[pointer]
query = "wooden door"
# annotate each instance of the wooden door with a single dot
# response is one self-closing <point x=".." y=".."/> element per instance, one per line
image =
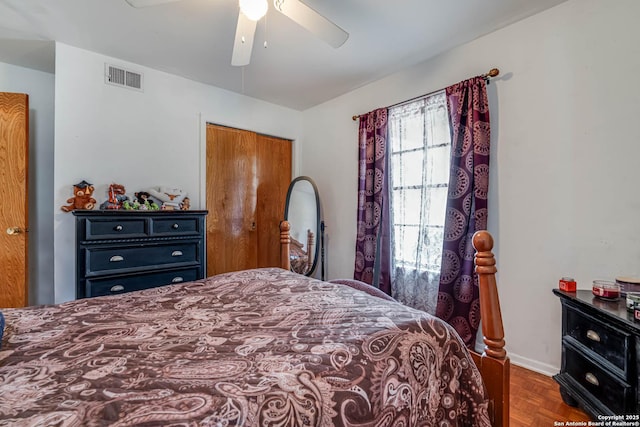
<point x="14" y="148"/>
<point x="231" y="200"/>
<point x="274" y="176"/>
<point x="247" y="179"/>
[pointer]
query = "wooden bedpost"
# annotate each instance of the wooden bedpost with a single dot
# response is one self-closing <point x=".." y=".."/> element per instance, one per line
<point x="493" y="363"/>
<point x="285" y="241"/>
<point x="310" y="239"/>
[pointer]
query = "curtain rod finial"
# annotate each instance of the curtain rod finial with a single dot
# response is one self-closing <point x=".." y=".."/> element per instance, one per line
<point x="354" y="118"/>
<point x="493" y="72"/>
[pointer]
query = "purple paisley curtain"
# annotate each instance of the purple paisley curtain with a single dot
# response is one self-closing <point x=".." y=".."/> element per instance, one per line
<point x="372" y="264"/>
<point x="458" y="297"/>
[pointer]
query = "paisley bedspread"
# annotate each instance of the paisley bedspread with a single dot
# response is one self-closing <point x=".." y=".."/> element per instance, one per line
<point x="263" y="347"/>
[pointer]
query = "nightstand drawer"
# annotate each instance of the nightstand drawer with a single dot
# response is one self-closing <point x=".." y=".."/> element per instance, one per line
<point x="118" y="285"/>
<point x="606" y="388"/>
<point x="119" y="229"/>
<point x="174" y="226"/>
<point x="112" y="260"/>
<point x="610" y="343"/>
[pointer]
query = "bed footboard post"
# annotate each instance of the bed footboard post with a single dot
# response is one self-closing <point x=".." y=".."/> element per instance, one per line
<point x="494" y="364"/>
<point x="492" y="328"/>
<point x="285" y="241"/>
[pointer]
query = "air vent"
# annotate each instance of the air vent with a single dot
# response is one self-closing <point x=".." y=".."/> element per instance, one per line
<point x="122" y="77"/>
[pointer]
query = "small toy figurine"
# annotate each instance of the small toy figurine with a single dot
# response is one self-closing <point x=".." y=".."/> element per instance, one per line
<point x="186" y="204"/>
<point x="81" y="199"/>
<point x="117" y="197"/>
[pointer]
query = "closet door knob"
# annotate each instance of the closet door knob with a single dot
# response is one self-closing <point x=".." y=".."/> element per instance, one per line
<point x="12" y="231"/>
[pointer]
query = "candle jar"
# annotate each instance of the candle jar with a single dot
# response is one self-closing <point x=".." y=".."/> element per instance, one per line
<point x="567" y="284"/>
<point x="606" y="289"/>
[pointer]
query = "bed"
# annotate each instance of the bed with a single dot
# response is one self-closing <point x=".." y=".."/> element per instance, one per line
<point x="263" y="347"/>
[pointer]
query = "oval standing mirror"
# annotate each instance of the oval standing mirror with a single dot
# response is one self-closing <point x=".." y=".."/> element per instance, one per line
<point x="302" y="211"/>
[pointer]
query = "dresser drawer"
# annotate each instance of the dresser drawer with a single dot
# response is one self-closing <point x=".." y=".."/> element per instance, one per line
<point x="617" y="395"/>
<point x="608" y="342"/>
<point x="122" y="228"/>
<point x="174" y="226"/>
<point x="118" y="285"/>
<point x="101" y="261"/>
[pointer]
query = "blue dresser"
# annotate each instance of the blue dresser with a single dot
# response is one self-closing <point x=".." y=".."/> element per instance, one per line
<point x="123" y="251"/>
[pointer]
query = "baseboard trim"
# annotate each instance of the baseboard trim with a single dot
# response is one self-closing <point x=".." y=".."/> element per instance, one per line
<point x="533" y="365"/>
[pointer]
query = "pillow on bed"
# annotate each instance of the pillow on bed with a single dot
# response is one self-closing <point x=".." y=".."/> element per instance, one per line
<point x="1" y="327"/>
<point x="362" y="286"/>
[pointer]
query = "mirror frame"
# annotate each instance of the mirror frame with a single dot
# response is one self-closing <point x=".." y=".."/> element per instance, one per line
<point x="317" y="231"/>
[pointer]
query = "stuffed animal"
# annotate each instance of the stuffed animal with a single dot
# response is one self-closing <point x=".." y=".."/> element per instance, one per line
<point x="171" y="198"/>
<point x="81" y="199"/>
<point x="143" y="197"/>
<point x="144" y="202"/>
<point x="117" y="197"/>
<point x="186" y="204"/>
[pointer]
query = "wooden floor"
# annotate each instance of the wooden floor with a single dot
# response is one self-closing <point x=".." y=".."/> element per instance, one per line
<point x="536" y="401"/>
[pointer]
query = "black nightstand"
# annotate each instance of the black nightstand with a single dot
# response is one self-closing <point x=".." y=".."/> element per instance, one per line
<point x="123" y="251"/>
<point x="600" y="347"/>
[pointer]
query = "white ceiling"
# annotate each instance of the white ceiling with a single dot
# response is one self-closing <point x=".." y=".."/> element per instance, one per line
<point x="194" y="39"/>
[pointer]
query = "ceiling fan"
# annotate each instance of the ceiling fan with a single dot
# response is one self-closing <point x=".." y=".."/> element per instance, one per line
<point x="251" y="11"/>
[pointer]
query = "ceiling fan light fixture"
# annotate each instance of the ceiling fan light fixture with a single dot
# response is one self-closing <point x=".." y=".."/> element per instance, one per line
<point x="254" y="9"/>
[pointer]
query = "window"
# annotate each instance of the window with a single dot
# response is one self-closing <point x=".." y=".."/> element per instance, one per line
<point x="420" y="143"/>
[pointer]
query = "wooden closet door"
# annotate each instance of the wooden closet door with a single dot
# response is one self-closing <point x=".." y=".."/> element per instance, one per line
<point x="14" y="149"/>
<point x="274" y="176"/>
<point x="231" y="200"/>
<point x="248" y="175"/>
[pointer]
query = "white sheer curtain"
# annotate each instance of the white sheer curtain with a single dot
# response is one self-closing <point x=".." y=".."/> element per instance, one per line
<point x="420" y="145"/>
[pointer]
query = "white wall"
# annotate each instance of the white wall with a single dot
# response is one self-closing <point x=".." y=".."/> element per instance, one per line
<point x="40" y="88"/>
<point x="108" y="134"/>
<point x="565" y="146"/>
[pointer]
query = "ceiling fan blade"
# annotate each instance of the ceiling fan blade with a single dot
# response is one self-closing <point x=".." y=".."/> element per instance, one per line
<point x="312" y="21"/>
<point x="243" y="42"/>
<point x="146" y="3"/>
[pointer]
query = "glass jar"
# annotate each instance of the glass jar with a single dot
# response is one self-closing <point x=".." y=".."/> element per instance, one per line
<point x="606" y="289"/>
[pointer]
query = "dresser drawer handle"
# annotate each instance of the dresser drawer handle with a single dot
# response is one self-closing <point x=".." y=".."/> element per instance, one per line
<point x="592" y="379"/>
<point x="118" y="228"/>
<point x="116" y="258"/>
<point x="593" y="335"/>
<point x="117" y="288"/>
<point x="176" y="253"/>
<point x="177" y="279"/>
<point x="175" y="226"/>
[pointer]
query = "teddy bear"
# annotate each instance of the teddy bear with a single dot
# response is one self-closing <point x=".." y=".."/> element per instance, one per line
<point x="186" y="204"/>
<point x="81" y="199"/>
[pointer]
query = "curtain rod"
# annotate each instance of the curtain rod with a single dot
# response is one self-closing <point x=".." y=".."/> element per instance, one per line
<point x="492" y="73"/>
